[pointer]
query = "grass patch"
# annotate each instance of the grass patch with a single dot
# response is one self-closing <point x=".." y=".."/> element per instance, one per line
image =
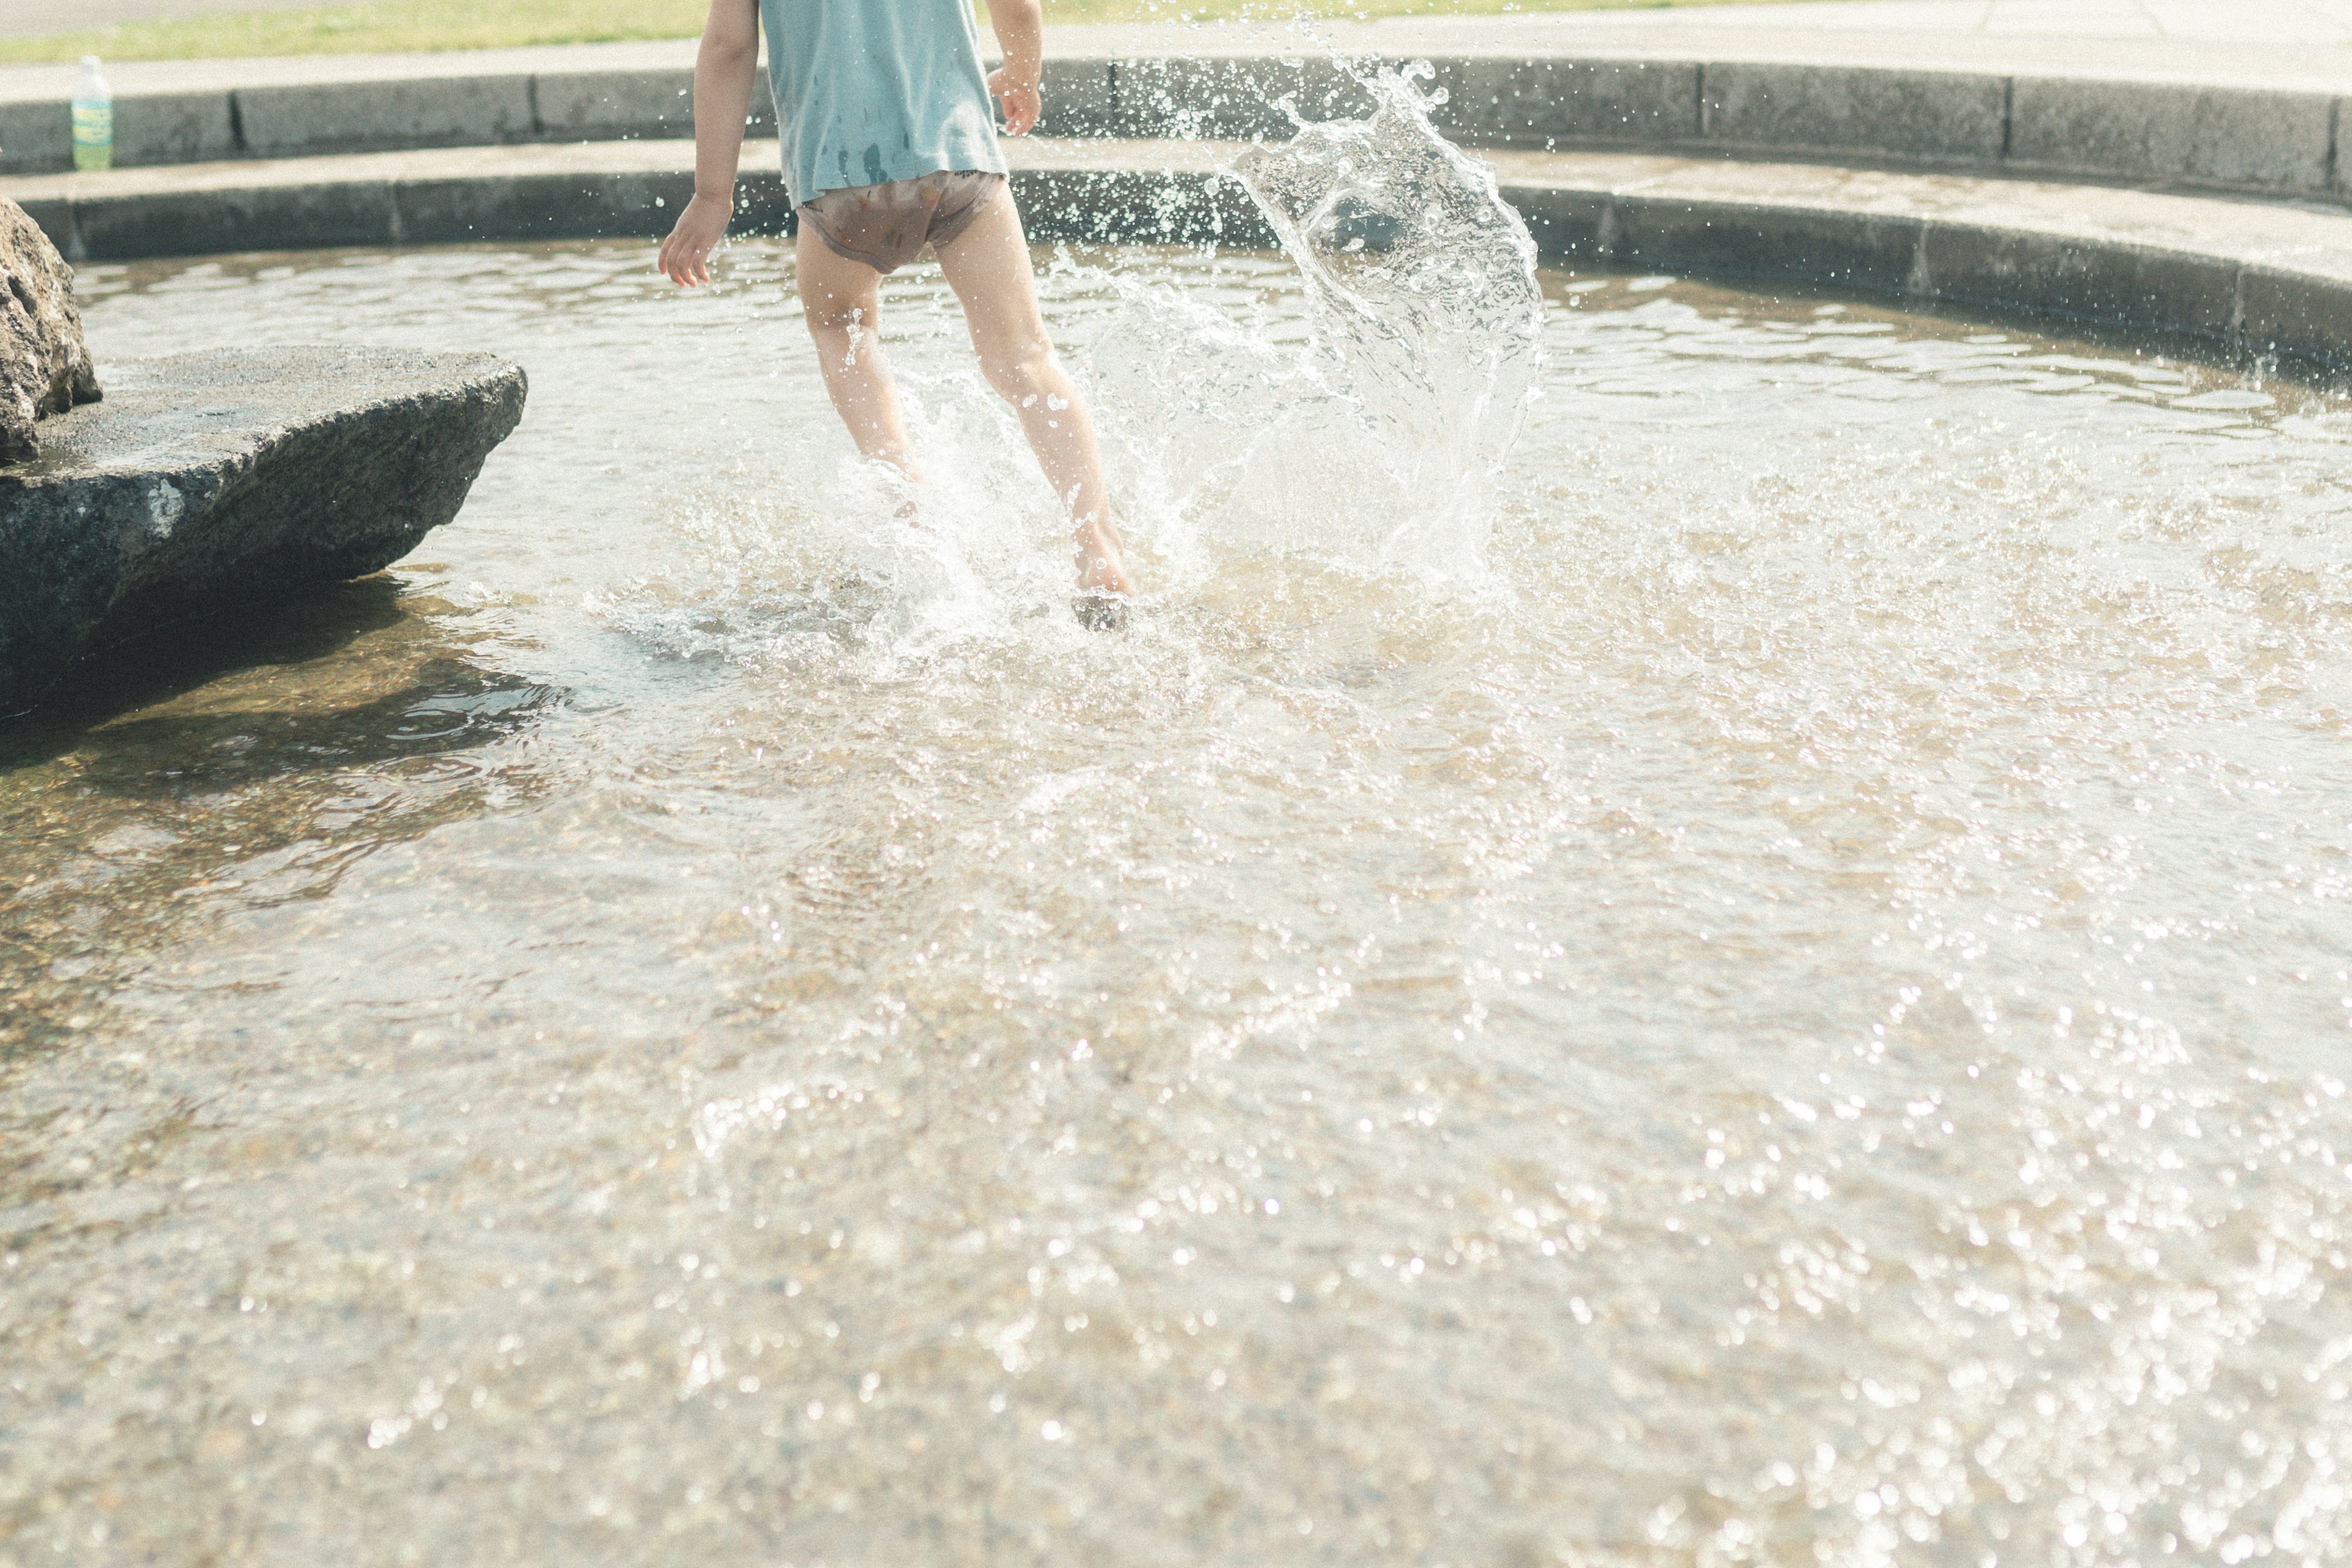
<point x="405" y="27"/>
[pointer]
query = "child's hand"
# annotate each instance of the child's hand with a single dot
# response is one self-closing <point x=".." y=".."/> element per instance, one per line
<point x="1022" y="104"/>
<point x="685" y="256"/>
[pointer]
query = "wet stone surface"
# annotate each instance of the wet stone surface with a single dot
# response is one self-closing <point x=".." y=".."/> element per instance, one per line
<point x="208" y="484"/>
<point x="45" y="366"/>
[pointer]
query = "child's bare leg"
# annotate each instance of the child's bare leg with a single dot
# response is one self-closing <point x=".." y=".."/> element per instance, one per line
<point x="988" y="267"/>
<point x="841" y="301"/>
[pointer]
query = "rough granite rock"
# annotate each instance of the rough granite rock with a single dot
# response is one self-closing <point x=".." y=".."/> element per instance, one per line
<point x="45" y="366"/>
<point x="207" y="483"/>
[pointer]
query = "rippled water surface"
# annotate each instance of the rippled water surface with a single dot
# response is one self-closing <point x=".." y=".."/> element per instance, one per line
<point x="1780" y="996"/>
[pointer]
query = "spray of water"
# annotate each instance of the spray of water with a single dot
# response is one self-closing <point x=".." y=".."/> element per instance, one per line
<point x="1362" y="435"/>
<point x="1424" y="278"/>
<point x="1383" y="431"/>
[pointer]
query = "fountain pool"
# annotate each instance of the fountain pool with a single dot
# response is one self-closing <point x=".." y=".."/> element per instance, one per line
<point x="1769" y="987"/>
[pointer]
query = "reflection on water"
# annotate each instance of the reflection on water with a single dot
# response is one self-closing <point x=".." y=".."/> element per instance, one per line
<point x="249" y="761"/>
<point x="1795" y="1013"/>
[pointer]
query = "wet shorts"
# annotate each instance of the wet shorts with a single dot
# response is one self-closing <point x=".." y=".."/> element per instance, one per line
<point x="886" y="227"/>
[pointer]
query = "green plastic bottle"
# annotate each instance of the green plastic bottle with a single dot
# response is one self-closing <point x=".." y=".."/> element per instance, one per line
<point x="93" y="119"/>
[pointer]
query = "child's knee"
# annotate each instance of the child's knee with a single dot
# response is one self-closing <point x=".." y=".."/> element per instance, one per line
<point x="1025" y="373"/>
<point x="832" y="318"/>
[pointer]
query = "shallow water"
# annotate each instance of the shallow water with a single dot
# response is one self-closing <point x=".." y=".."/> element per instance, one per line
<point x="1781" y="998"/>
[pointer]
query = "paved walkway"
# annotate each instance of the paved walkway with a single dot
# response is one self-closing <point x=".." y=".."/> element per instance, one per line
<point x="2215" y="21"/>
<point x="2304" y="43"/>
<point x="2212" y="21"/>
<point x="2274" y="42"/>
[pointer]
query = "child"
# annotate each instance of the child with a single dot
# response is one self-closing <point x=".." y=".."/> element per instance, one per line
<point x="890" y="143"/>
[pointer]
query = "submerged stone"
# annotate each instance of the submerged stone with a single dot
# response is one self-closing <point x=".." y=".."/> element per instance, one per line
<point x="45" y="366"/>
<point x="205" y="484"/>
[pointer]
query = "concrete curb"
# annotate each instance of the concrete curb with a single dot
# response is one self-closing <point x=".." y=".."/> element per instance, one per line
<point x="2255" y="139"/>
<point x="2259" y="278"/>
<point x="282" y="119"/>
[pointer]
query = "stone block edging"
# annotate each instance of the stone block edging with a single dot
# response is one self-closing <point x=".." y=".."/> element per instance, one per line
<point x="2272" y="141"/>
<point x="2258" y="278"/>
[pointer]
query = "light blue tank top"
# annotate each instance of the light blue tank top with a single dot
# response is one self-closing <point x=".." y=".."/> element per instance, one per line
<point x="868" y="92"/>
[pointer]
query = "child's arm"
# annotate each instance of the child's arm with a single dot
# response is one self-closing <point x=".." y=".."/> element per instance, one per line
<point x="1021" y="34"/>
<point x="723" y="69"/>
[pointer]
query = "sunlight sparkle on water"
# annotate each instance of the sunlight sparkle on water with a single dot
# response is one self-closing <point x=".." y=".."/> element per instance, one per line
<point x="1788" y="1005"/>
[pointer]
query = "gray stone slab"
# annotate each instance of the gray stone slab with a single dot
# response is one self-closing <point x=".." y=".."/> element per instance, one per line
<point x="35" y="136"/>
<point x="2055" y="275"/>
<point x="1081" y="98"/>
<point x="1233" y="99"/>
<point x="445" y="112"/>
<point x="762" y="206"/>
<point x="2027" y="45"/>
<point x="1108" y="206"/>
<point x="210" y="222"/>
<point x="2162" y="131"/>
<point x="620" y="106"/>
<point x="56" y="216"/>
<point x="205" y="484"/>
<point x="1941" y="117"/>
<point x="2121" y="255"/>
<point x="174" y="128"/>
<point x="538" y="207"/>
<point x="2135" y="129"/>
<point x="592" y="204"/>
<point x="1873" y="252"/>
<point x="2296" y="314"/>
<point x="613" y="106"/>
<point x="1546" y="102"/>
<point x="1568" y="226"/>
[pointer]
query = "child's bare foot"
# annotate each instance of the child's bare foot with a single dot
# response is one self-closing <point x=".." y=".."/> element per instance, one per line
<point x="901" y="489"/>
<point x="1103" y="589"/>
<point x="1100" y="555"/>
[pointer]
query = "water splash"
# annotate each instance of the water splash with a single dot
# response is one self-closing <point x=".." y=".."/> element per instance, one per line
<point x="1424" y="278"/>
<point x="1425" y="348"/>
<point x="1241" y="439"/>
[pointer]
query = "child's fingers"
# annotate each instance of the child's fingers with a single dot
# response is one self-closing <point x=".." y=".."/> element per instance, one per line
<point x="683" y="264"/>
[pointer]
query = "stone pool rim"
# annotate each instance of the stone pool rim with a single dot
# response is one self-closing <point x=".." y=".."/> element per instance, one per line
<point x="2268" y="136"/>
<point x="2266" y="280"/>
<point x="2203" y="203"/>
